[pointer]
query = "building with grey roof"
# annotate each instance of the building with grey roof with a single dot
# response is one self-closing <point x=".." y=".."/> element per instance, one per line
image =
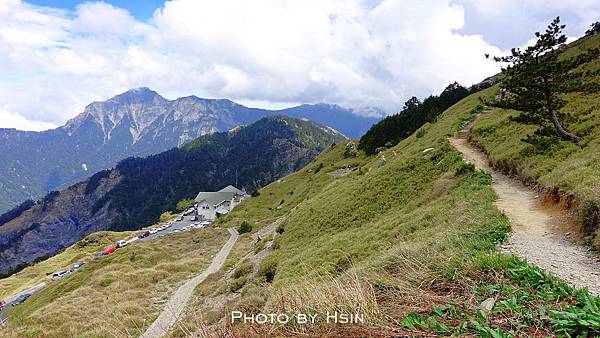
<point x="212" y="204"/>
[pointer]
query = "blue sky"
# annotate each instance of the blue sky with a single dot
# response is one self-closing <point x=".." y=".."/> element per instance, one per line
<point x="57" y="56"/>
<point x="140" y="9"/>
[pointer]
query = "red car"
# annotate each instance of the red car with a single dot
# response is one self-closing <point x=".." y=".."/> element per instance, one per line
<point x="109" y="251"/>
<point x="1" y="305"/>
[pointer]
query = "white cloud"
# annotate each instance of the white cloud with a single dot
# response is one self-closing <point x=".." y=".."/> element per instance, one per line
<point x="11" y="120"/>
<point x="351" y="52"/>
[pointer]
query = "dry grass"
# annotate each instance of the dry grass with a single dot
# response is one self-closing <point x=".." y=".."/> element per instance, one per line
<point x="117" y="295"/>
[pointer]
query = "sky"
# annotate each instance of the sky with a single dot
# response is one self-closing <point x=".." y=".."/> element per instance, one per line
<point x="58" y="56"/>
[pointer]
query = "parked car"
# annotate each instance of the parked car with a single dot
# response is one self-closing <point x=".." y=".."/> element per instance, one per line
<point x="121" y="244"/>
<point x="180" y="218"/>
<point x="21" y="299"/>
<point x="76" y="266"/>
<point x="108" y="251"/>
<point x="205" y="224"/>
<point x="144" y="234"/>
<point x="99" y="254"/>
<point x="153" y="231"/>
<point x="194" y="218"/>
<point x="2" y="305"/>
<point x="59" y="275"/>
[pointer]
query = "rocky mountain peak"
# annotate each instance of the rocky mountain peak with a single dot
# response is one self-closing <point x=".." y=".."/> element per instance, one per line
<point x="137" y="96"/>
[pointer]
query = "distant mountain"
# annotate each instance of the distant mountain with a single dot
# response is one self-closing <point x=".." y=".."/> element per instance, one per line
<point x="138" y="190"/>
<point x="138" y="122"/>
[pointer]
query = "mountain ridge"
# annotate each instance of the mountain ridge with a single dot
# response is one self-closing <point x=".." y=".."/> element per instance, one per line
<point x="138" y="190"/>
<point x="138" y="122"/>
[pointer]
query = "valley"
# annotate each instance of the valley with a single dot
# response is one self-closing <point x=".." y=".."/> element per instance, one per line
<point x="139" y="122"/>
<point x="135" y="193"/>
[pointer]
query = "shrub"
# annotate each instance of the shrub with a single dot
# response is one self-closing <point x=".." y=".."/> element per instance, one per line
<point x="267" y="269"/>
<point x="280" y="228"/>
<point x="244" y="227"/>
<point x="243" y="269"/>
<point x="276" y="243"/>
<point x="237" y="283"/>
<point x="184" y="204"/>
<point x="589" y="218"/>
<point x="465" y="168"/>
<point x="319" y="167"/>
<point x="165" y="216"/>
<point x="256" y="193"/>
<point x="108" y="280"/>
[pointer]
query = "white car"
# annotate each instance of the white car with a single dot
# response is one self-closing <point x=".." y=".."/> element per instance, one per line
<point x="153" y="231"/>
<point x="58" y="275"/>
<point x="121" y="244"/>
<point x="205" y="224"/>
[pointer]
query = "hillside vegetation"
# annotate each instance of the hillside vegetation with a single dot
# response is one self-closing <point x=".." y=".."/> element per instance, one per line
<point x="567" y="172"/>
<point x="409" y="243"/>
<point x="139" y="190"/>
<point x="413" y="115"/>
<point x="117" y="295"/>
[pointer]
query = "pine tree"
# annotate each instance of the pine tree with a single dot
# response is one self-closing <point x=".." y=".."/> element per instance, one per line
<point x="536" y="78"/>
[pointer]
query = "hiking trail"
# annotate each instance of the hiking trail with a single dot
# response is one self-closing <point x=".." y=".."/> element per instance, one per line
<point x="176" y="304"/>
<point x="538" y="231"/>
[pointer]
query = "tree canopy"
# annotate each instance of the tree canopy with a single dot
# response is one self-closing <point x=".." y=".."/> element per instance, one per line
<point x="413" y="115"/>
<point x="536" y="78"/>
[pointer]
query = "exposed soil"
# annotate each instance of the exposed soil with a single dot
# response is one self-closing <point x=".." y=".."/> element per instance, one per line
<point x="539" y="232"/>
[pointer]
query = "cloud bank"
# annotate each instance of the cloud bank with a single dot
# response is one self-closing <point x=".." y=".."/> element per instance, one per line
<point x="354" y="53"/>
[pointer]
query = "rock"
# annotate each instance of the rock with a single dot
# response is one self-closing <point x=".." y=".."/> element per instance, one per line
<point x="487" y="305"/>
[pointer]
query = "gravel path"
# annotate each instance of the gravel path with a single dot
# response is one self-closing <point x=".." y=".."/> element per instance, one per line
<point x="536" y="229"/>
<point x="176" y="304"/>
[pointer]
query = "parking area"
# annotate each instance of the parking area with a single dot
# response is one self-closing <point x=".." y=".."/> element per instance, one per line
<point x="182" y="223"/>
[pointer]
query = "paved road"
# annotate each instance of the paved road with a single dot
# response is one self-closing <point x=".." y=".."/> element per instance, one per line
<point x="176" y="304"/>
<point x="176" y="225"/>
<point x="10" y="301"/>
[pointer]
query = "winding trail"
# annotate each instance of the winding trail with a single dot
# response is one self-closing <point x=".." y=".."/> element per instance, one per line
<point x="176" y="304"/>
<point x="538" y="233"/>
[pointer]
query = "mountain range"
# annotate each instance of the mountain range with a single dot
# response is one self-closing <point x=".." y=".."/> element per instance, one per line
<point x="139" y="122"/>
<point x="138" y="190"/>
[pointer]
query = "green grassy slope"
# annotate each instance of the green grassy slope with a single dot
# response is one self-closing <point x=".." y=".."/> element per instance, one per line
<point x="564" y="168"/>
<point x="410" y="243"/>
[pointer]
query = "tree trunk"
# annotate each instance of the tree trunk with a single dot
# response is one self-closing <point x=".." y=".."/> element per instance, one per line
<point x="561" y="131"/>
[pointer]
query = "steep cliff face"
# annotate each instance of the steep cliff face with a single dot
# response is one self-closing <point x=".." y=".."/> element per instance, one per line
<point x="138" y="122"/>
<point x="138" y="190"/>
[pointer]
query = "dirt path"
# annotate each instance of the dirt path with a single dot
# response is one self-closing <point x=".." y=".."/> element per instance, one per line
<point x="176" y="304"/>
<point x="537" y="231"/>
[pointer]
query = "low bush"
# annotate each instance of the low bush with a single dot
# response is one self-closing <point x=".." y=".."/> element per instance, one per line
<point x="267" y="269"/>
<point x="237" y="283"/>
<point x="589" y="217"/>
<point x="243" y="269"/>
<point x="465" y="168"/>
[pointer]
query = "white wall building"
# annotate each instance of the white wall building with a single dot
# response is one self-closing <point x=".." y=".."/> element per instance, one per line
<point x="211" y="205"/>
